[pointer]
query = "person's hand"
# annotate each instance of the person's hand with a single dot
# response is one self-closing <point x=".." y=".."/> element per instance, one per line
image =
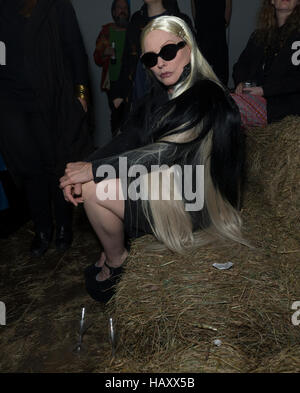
<point x="83" y="103"/>
<point x="73" y="194"/>
<point x="117" y="102"/>
<point x="239" y="88"/>
<point x="255" y="91"/>
<point x="76" y="173"/>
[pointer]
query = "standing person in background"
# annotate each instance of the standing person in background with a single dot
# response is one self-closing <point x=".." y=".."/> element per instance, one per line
<point x="43" y="108"/>
<point x="133" y="83"/>
<point x="108" y="54"/>
<point x="211" y="20"/>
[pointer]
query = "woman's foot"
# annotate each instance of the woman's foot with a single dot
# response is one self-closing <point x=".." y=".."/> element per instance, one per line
<point x="108" y="266"/>
<point x="101" y="286"/>
<point x="96" y="267"/>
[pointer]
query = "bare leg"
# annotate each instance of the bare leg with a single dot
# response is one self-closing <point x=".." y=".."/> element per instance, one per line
<point x="106" y="217"/>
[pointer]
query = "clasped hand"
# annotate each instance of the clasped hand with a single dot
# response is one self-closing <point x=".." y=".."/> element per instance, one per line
<point x="255" y="91"/>
<point x="76" y="174"/>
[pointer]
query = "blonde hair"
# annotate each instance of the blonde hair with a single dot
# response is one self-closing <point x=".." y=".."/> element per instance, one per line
<point x="169" y="220"/>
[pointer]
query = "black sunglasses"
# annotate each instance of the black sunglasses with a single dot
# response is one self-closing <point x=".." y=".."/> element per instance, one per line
<point x="167" y="52"/>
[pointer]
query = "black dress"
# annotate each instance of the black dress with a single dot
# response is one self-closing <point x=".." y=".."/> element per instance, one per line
<point x="215" y="110"/>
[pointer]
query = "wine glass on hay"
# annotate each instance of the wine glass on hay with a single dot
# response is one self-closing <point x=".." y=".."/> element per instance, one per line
<point x="82" y="329"/>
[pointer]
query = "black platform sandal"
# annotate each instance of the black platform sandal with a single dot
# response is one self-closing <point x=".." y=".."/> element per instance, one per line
<point x="102" y="291"/>
<point x="92" y="270"/>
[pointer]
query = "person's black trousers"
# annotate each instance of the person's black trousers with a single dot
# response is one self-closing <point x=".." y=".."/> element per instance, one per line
<point x="117" y="114"/>
<point x="29" y="151"/>
<point x="215" y="50"/>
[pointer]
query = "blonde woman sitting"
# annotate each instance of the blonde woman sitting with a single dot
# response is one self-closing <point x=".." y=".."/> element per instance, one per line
<point x="186" y="123"/>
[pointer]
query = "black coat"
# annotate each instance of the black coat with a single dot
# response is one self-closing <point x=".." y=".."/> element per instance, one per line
<point x="282" y="83"/>
<point x="55" y="61"/>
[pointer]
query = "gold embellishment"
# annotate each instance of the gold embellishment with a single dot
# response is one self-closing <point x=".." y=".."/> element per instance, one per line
<point x="181" y="34"/>
<point x="82" y="96"/>
<point x="81" y="91"/>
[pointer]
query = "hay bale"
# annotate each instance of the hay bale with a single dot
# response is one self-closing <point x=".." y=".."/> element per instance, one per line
<point x="163" y="302"/>
<point x="273" y="169"/>
<point x="169" y="309"/>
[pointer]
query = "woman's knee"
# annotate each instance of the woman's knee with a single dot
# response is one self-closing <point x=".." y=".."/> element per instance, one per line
<point x="107" y="194"/>
<point x="109" y="190"/>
